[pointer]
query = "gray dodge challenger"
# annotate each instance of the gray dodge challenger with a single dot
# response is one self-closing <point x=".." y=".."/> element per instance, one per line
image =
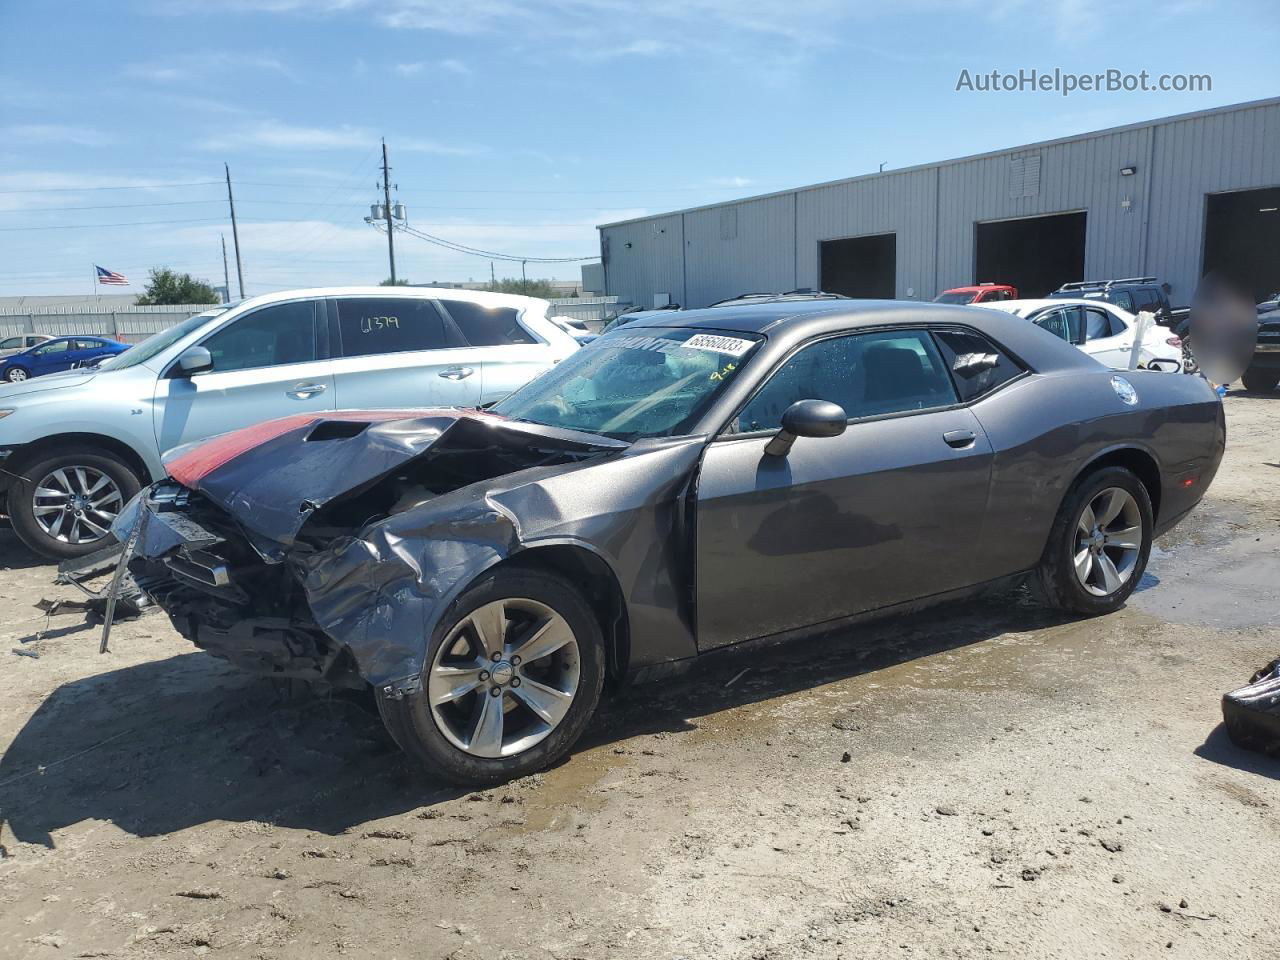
<point x="690" y="481"/>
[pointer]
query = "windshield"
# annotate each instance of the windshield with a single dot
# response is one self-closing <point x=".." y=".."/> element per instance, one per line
<point x="157" y="342"/>
<point x="955" y="296"/>
<point x="654" y="383"/>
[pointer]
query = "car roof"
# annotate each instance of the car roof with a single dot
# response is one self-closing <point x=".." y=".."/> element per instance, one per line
<point x="431" y="293"/>
<point x="978" y="287"/>
<point x="1026" y="306"/>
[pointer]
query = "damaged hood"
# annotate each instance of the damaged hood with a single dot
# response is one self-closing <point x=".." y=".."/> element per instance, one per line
<point x="274" y="476"/>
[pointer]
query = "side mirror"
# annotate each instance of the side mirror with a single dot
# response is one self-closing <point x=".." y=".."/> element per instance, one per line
<point x="194" y="360"/>
<point x="807" y="418"/>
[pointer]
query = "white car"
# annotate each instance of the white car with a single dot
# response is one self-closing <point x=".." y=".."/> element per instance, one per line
<point x="24" y="341"/>
<point x="1102" y="330"/>
<point x="76" y="446"/>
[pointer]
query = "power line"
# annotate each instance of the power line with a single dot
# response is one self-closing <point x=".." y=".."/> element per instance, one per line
<point x="128" y="186"/>
<point x="475" y="251"/>
<point x="91" y="226"/>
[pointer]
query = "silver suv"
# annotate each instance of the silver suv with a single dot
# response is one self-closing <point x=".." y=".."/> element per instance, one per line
<point x="76" y="446"/>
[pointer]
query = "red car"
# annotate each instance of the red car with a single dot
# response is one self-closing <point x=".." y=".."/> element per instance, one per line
<point x="982" y="293"/>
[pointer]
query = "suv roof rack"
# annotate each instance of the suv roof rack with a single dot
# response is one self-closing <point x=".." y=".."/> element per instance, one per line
<point x="1104" y="284"/>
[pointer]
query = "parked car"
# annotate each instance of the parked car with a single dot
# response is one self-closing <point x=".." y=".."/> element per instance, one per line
<point x="573" y="327"/>
<point x="688" y="482"/>
<point x="1133" y="295"/>
<point x="23" y="341"/>
<point x="57" y="354"/>
<point x="983" y="293"/>
<point x="75" y="447"/>
<point x="1102" y="330"/>
<point x="1263" y="372"/>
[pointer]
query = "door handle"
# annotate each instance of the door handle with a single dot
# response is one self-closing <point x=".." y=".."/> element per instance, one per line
<point x="304" y="391"/>
<point x="960" y="439"/>
<point x="457" y="373"/>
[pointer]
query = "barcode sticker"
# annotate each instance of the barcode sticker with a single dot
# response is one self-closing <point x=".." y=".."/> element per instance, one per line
<point x="733" y="346"/>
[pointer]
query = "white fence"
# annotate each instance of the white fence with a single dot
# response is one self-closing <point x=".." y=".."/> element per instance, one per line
<point x="586" y="308"/>
<point x="127" y="324"/>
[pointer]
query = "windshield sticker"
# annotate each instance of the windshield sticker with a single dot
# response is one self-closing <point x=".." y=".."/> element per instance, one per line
<point x="733" y="346"/>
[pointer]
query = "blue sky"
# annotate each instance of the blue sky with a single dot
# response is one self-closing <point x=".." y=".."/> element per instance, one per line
<point x="518" y="126"/>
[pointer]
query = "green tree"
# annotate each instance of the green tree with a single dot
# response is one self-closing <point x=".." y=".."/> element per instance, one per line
<point x="398" y="282"/>
<point x="168" y="286"/>
<point x="525" y="288"/>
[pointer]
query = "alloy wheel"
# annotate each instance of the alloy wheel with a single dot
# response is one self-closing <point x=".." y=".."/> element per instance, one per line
<point x="504" y="677"/>
<point x="16" y="375"/>
<point x="76" y="504"/>
<point x="1109" y="538"/>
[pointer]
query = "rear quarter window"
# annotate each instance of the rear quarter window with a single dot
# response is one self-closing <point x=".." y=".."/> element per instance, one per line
<point x="483" y="326"/>
<point x="374" y="325"/>
<point x="971" y="383"/>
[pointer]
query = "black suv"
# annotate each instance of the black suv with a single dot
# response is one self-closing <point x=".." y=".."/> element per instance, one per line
<point x="1264" y="369"/>
<point x="1134" y="294"/>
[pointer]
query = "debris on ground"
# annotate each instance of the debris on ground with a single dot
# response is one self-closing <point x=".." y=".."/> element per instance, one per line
<point x="1252" y="713"/>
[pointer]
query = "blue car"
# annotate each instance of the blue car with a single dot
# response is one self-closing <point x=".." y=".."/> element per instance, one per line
<point x="61" y="353"/>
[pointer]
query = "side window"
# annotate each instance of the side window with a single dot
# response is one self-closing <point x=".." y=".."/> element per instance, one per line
<point x="487" y="326"/>
<point x="275" y="335"/>
<point x="373" y="325"/>
<point x="1097" y="324"/>
<point x="1124" y="301"/>
<point x="54" y="346"/>
<point x="88" y="345"/>
<point x="10" y="343"/>
<point x="867" y="374"/>
<point x="960" y="348"/>
<point x="1055" y="321"/>
<point x="1147" y="298"/>
<point x="1116" y="324"/>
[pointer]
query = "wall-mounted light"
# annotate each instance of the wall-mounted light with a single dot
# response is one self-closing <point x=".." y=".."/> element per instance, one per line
<point x="627" y="244"/>
<point x="1128" y="171"/>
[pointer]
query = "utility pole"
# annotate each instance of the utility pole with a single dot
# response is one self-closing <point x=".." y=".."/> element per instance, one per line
<point x="235" y="236"/>
<point x="523" y="278"/>
<point x="493" y="280"/>
<point x="226" y="278"/>
<point x="386" y="196"/>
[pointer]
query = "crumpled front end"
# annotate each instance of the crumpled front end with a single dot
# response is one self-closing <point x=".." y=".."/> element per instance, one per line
<point x="326" y="551"/>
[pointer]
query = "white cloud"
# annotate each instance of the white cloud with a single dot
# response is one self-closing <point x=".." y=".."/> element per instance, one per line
<point x="200" y="65"/>
<point x="734" y="182"/>
<point x="409" y="69"/>
<point x="455" y="66"/>
<point x="30" y="133"/>
<point x="273" y="135"/>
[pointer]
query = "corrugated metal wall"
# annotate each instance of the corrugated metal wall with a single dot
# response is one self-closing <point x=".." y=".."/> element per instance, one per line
<point x="1148" y="223"/>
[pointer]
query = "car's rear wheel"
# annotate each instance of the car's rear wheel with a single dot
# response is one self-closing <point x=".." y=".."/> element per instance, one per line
<point x="1099" y="545"/>
<point x="1259" y="380"/>
<point x="512" y="676"/>
<point x="16" y="374"/>
<point x="64" y="502"/>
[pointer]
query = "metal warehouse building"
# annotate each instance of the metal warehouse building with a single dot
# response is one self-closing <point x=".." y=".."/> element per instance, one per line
<point x="1170" y="198"/>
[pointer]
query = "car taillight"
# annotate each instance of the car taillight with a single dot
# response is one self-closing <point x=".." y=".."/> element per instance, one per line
<point x="1174" y="341"/>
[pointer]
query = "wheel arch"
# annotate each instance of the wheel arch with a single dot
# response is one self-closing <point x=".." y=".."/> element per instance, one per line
<point x="587" y="570"/>
<point x="1138" y="461"/>
<point x="58" y="442"/>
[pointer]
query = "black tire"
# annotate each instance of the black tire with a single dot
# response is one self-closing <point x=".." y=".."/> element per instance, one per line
<point x="11" y="374"/>
<point x="1258" y="380"/>
<point x="21" y="497"/>
<point x="1057" y="579"/>
<point x="411" y="722"/>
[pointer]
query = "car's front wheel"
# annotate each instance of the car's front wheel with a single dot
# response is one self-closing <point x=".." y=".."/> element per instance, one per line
<point x="512" y="676"/>
<point x="1099" y="545"/>
<point x="16" y="374"/>
<point x="63" y="503"/>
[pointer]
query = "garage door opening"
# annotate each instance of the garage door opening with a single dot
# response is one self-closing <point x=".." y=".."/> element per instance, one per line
<point x="860" y="266"/>
<point x="1241" y="237"/>
<point x="1034" y="254"/>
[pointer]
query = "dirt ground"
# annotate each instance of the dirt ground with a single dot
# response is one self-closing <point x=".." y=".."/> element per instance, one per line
<point x="982" y="779"/>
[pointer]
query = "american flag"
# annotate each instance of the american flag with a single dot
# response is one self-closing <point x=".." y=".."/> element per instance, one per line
<point x="109" y="276"/>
